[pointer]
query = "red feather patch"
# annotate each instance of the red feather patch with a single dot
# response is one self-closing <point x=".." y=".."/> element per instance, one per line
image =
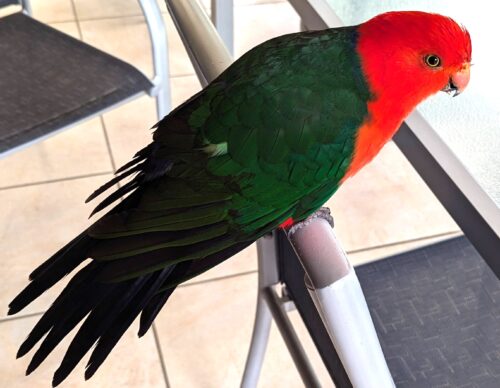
<point x="392" y="48"/>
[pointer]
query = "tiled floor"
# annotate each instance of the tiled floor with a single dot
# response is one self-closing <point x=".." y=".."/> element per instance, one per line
<point x="201" y="337"/>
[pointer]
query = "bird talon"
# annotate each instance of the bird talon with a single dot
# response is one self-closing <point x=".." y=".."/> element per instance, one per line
<point x="325" y="213"/>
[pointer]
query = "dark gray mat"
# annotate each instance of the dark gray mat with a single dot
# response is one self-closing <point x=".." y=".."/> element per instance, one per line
<point x="437" y="313"/>
<point x="49" y="80"/>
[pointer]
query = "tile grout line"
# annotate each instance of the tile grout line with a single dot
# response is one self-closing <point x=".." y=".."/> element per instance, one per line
<point x="160" y="355"/>
<point x="108" y="145"/>
<point x="77" y="21"/>
<point x="408" y="241"/>
<point x="56" y="180"/>
<point x="103" y="125"/>
<point x="183" y="75"/>
<point x="224" y="277"/>
<point x="17" y="317"/>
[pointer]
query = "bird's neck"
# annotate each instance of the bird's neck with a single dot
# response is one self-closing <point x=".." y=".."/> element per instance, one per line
<point x="381" y="124"/>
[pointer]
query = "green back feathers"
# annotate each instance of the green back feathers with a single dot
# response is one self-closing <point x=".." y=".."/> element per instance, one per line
<point x="269" y="139"/>
<point x="287" y="111"/>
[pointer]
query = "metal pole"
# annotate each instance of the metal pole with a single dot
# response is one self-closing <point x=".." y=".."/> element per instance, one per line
<point x="26" y="5"/>
<point x="158" y="36"/>
<point x="290" y="337"/>
<point x="223" y="19"/>
<point x="337" y="295"/>
<point x="268" y="276"/>
<point x="205" y="47"/>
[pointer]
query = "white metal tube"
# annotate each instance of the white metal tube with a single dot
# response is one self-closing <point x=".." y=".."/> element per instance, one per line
<point x="290" y="337"/>
<point x="223" y="19"/>
<point x="258" y="344"/>
<point x="206" y="49"/>
<point x="319" y="251"/>
<point x="26" y="4"/>
<point x="268" y="276"/>
<point x="158" y="36"/>
<point x="347" y="319"/>
<point x="338" y="297"/>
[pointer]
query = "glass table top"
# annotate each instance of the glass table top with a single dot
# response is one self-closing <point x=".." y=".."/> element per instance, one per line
<point x="470" y="123"/>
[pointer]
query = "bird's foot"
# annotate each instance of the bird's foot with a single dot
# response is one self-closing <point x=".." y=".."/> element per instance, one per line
<point x="325" y="213"/>
<point x="322" y="212"/>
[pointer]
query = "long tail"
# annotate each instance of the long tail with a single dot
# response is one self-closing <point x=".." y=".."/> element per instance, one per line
<point x="108" y="308"/>
<point x="111" y="308"/>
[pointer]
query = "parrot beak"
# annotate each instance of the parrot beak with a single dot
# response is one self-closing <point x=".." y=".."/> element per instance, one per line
<point x="458" y="81"/>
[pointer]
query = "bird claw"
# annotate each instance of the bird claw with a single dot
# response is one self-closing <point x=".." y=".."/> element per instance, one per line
<point x="322" y="212"/>
<point x="325" y="213"/>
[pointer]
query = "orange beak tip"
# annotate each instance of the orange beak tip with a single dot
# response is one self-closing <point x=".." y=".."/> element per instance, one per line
<point x="461" y="78"/>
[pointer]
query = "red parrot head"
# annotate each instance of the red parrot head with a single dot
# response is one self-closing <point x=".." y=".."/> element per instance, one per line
<point x="407" y="56"/>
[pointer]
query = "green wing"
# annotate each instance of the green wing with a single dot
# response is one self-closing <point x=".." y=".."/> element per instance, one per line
<point x="269" y="139"/>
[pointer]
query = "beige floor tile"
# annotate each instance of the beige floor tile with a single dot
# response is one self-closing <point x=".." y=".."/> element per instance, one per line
<point x="49" y="11"/>
<point x="183" y="87"/>
<point x="95" y="9"/>
<point x="8" y="10"/>
<point x="69" y="28"/>
<point x="128" y="126"/>
<point x="279" y="362"/>
<point x="238" y="3"/>
<point x="46" y="11"/>
<point x="387" y="202"/>
<point x="126" y="38"/>
<point x="133" y="362"/>
<point x="258" y="23"/>
<point x="77" y="151"/>
<point x="205" y="331"/>
<point x="34" y="223"/>
<point x="252" y="2"/>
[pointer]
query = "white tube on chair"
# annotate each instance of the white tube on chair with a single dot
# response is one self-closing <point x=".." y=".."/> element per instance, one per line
<point x="345" y="314"/>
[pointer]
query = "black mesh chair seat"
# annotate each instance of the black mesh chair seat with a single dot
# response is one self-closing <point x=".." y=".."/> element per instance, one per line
<point x="437" y="314"/>
<point x="49" y="80"/>
<point x="436" y="311"/>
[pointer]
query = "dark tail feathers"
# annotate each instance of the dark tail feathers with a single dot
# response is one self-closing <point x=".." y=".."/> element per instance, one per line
<point x="108" y="308"/>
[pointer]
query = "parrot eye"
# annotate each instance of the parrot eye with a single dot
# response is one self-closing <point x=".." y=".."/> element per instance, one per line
<point x="432" y="60"/>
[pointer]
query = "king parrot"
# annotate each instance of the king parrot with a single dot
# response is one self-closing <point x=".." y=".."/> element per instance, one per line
<point x="265" y="144"/>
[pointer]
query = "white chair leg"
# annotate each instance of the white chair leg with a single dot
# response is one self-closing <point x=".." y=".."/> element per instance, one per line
<point x="268" y="276"/>
<point x="27" y="7"/>
<point x="159" y="45"/>
<point x="338" y="297"/>
<point x="223" y="19"/>
<point x="258" y="345"/>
